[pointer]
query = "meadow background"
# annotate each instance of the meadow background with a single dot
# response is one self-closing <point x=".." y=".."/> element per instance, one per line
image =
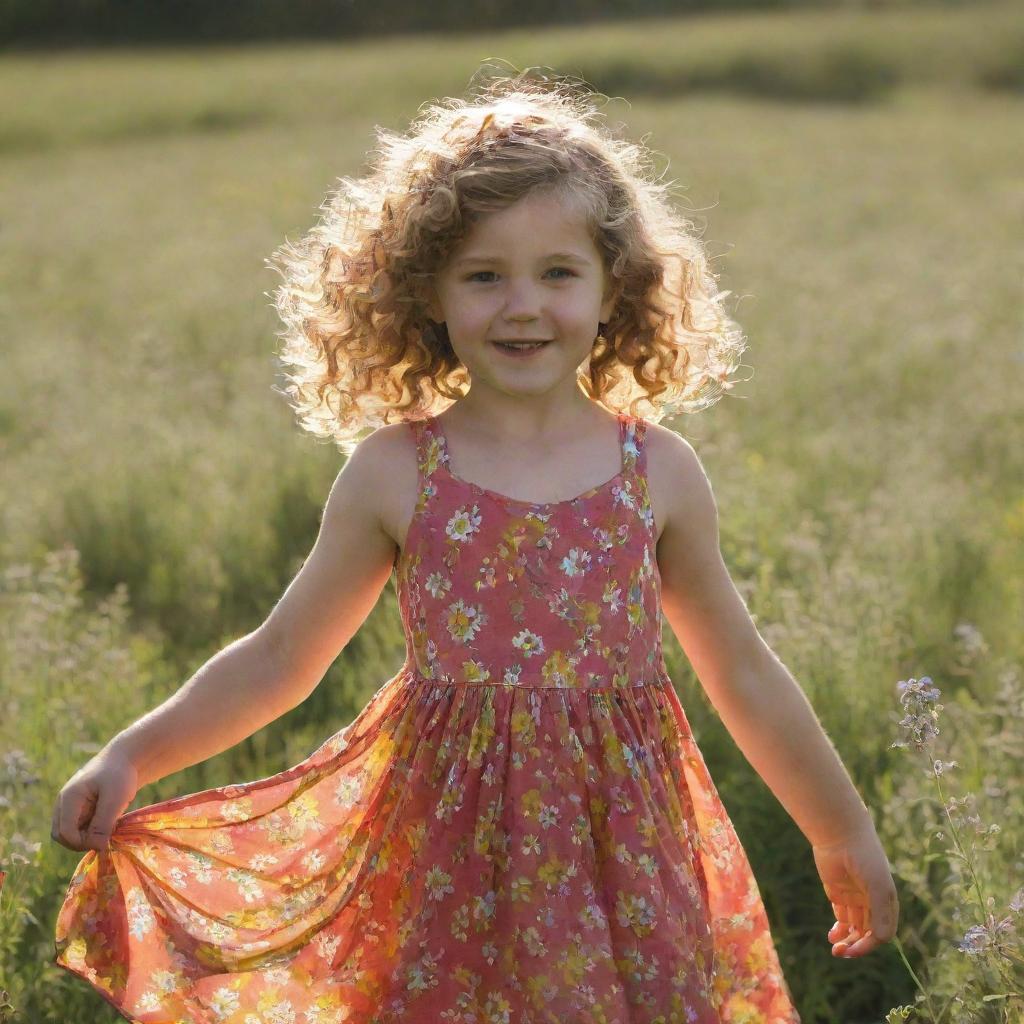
<point x="858" y="176"/>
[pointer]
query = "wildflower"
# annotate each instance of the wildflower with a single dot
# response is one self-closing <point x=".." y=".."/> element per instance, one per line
<point x="987" y="936"/>
<point x="917" y="697"/>
<point x="18" y="767"/>
<point x="970" y="641"/>
<point x="974" y="941"/>
<point x="21" y="850"/>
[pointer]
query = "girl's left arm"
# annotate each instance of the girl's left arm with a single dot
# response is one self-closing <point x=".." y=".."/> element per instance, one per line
<point x="760" y="703"/>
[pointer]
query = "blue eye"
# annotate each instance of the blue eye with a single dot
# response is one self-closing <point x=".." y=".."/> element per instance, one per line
<point x="562" y="270"/>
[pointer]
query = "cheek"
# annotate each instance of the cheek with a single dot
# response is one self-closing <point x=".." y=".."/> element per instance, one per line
<point x="579" y="304"/>
<point x="473" y="315"/>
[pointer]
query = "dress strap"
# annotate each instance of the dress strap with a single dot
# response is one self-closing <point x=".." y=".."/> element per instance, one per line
<point x="634" y="450"/>
<point x="429" y="447"/>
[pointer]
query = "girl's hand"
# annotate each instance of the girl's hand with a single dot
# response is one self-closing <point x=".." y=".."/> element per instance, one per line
<point x="859" y="885"/>
<point x="92" y="800"/>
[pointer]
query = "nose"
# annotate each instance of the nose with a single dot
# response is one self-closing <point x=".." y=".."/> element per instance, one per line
<point x="521" y="302"/>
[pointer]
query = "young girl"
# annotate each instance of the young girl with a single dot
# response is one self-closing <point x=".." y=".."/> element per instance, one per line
<point x="518" y="827"/>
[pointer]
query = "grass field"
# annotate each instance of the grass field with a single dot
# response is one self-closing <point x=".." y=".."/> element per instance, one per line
<point x="859" y="178"/>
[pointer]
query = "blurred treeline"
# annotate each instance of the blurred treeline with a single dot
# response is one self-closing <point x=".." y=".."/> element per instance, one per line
<point x="50" y="23"/>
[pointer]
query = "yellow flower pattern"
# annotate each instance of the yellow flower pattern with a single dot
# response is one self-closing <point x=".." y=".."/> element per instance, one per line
<point x="518" y="827"/>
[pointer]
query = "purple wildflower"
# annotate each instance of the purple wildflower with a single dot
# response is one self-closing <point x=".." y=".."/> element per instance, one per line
<point x="918" y="724"/>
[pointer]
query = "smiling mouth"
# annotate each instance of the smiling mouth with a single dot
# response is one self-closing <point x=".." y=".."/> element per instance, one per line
<point x="519" y="346"/>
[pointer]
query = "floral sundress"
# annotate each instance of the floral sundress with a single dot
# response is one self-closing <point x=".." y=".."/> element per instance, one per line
<point x="518" y="827"/>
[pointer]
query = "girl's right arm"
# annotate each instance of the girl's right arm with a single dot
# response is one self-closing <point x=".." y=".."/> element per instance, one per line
<point x="262" y="675"/>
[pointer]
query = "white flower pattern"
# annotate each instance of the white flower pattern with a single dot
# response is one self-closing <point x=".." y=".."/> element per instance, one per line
<point x="518" y="826"/>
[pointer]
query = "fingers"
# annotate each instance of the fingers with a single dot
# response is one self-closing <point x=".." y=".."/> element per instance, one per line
<point x="860" y="929"/>
<point x="67" y="822"/>
<point x="860" y="918"/>
<point x="106" y="813"/>
<point x="851" y="915"/>
<point x="848" y="930"/>
<point x="857" y="944"/>
<point x="59" y="832"/>
<point x="845" y="933"/>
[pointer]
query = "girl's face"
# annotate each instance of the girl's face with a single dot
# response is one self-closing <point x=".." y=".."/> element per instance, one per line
<point x="529" y="272"/>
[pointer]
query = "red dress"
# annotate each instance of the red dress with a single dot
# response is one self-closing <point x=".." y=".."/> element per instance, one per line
<point x="518" y="828"/>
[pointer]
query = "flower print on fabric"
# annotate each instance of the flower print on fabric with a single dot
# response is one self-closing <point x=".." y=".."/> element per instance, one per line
<point x="518" y="828"/>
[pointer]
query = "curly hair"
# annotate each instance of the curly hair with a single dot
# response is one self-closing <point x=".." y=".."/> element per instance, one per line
<point x="360" y="346"/>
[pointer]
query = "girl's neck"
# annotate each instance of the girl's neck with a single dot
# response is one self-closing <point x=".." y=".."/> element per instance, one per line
<point x="524" y="424"/>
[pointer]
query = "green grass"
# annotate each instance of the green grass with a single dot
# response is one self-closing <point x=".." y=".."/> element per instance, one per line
<point x="865" y="212"/>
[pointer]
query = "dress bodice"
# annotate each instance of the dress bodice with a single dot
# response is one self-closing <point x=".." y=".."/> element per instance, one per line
<point x="494" y="589"/>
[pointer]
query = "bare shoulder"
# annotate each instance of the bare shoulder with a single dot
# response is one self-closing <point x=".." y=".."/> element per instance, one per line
<point x="676" y="479"/>
<point x="389" y="458"/>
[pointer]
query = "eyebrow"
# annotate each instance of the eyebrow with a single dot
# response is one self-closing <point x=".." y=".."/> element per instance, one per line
<point x="567" y="257"/>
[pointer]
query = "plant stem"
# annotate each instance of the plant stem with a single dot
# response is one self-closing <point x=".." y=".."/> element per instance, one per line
<point x="917" y="981"/>
<point x="959" y="845"/>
